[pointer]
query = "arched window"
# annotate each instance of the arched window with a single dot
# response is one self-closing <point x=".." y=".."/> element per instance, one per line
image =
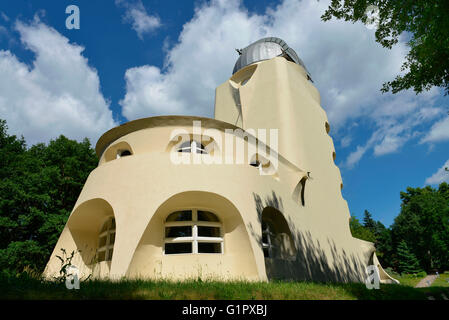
<point x="277" y="241"/>
<point x="117" y="151"/>
<point x="192" y="146"/>
<point x="106" y="241"/>
<point x="193" y="231"/>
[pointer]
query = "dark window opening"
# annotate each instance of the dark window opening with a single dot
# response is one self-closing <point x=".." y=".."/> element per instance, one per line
<point x="207" y="216"/>
<point x="303" y="190"/>
<point x="173" y="248"/>
<point x="185" y="215"/>
<point x="208" y="231"/>
<point x="101" y="256"/>
<point x="255" y="163"/>
<point x="205" y="247"/>
<point x="125" y="153"/>
<point x="174" y="232"/>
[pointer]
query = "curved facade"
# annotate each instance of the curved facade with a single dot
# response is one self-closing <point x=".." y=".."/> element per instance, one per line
<point x="253" y="194"/>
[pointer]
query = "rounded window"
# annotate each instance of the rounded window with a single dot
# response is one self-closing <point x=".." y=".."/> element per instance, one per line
<point x="123" y="153"/>
<point x="192" y="146"/>
<point x="193" y="231"/>
<point x="277" y="241"/>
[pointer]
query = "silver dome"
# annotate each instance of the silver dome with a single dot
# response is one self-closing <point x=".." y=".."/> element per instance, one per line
<point x="265" y="49"/>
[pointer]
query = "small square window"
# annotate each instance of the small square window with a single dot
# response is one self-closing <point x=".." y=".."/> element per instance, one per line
<point x="173" y="248"/>
<point x="205" y="247"/>
<point x="101" y="256"/>
<point x="102" y="242"/>
<point x="110" y="252"/>
<point x="208" y="231"/>
<point x="112" y="238"/>
<point x="174" y="232"/>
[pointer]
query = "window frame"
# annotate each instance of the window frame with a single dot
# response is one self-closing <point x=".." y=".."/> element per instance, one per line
<point x="108" y="247"/>
<point x="195" y="238"/>
<point x="194" y="145"/>
<point x="271" y="235"/>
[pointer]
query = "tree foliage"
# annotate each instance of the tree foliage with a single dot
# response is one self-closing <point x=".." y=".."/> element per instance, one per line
<point x="423" y="224"/>
<point x="38" y="188"/>
<point x="419" y="237"/>
<point x="424" y="22"/>
<point x="408" y="263"/>
<point x="359" y="231"/>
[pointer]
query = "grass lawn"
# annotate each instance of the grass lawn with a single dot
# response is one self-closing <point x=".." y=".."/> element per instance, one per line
<point x="410" y="280"/>
<point x="441" y="281"/>
<point x="24" y="287"/>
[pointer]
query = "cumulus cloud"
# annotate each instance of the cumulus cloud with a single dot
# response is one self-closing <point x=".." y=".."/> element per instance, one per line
<point x="346" y="63"/>
<point x="137" y="16"/>
<point x="58" y="94"/>
<point x="440" y="176"/>
<point x="348" y="66"/>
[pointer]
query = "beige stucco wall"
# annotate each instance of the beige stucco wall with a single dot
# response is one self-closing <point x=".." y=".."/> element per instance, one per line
<point x="142" y="189"/>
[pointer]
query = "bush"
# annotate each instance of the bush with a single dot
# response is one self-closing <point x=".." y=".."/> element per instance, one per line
<point x="421" y="274"/>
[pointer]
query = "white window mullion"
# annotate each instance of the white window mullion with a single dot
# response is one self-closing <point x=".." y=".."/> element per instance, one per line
<point x="195" y="239"/>
<point x="179" y="239"/>
<point x="195" y="221"/>
<point x="209" y="239"/>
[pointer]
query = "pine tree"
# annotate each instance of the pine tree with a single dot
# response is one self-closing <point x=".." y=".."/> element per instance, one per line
<point x="368" y="221"/>
<point x="408" y="263"/>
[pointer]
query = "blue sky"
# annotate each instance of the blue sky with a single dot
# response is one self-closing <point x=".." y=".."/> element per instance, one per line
<point x="133" y="59"/>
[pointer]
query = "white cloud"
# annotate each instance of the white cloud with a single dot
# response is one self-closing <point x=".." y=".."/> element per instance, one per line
<point x="440" y="176"/>
<point x="345" y="141"/>
<point x="355" y="156"/>
<point x="137" y="16"/>
<point x="202" y="59"/>
<point x="346" y="63"/>
<point x="393" y="132"/>
<point x="439" y="131"/>
<point x="58" y="94"/>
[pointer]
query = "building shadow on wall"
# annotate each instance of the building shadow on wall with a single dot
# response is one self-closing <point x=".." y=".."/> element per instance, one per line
<point x="310" y="263"/>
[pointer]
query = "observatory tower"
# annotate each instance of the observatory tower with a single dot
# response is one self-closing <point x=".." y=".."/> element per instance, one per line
<point x="171" y="198"/>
